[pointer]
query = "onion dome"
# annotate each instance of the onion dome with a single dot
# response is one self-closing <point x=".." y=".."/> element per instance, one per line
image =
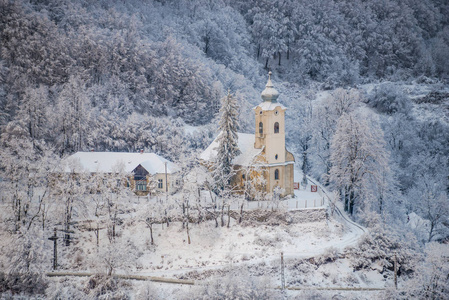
<point x="270" y="94"/>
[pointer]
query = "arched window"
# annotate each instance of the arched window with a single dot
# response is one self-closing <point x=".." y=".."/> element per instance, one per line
<point x="260" y="128"/>
<point x="276" y="174"/>
<point x="276" y="127"/>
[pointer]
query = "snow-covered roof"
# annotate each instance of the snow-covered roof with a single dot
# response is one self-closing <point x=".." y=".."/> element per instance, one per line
<point x="246" y="146"/>
<point x="268" y="105"/>
<point x="114" y="162"/>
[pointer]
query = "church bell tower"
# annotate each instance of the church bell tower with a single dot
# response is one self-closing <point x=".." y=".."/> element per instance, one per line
<point x="270" y="125"/>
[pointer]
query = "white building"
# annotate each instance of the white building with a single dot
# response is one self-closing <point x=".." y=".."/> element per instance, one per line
<point x="143" y="170"/>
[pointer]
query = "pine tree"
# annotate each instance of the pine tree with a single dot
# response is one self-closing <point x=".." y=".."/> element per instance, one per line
<point x="227" y="142"/>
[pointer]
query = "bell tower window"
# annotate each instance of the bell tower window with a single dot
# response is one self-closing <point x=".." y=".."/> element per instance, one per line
<point x="276" y="174"/>
<point x="260" y="128"/>
<point x="276" y="127"/>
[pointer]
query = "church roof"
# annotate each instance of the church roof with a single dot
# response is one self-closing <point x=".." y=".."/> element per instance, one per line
<point x="114" y="162"/>
<point x="246" y="147"/>
<point x="267" y="105"/>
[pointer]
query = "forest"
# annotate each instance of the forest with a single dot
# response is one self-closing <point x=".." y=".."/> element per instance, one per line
<point x="366" y="83"/>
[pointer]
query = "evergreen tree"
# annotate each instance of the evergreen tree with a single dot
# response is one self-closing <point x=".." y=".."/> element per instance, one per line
<point x="227" y="142"/>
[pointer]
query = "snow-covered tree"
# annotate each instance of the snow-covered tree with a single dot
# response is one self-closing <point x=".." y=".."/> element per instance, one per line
<point x="324" y="123"/>
<point x="357" y="153"/>
<point x="72" y="119"/>
<point x="227" y="142"/>
<point x="429" y="200"/>
<point x="26" y="256"/>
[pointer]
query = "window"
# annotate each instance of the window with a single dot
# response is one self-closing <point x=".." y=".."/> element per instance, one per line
<point x="276" y="157"/>
<point x="276" y="174"/>
<point x="141" y="185"/>
<point x="276" y="127"/>
<point x="260" y="128"/>
<point x="243" y="176"/>
<point x="276" y="113"/>
<point x="160" y="184"/>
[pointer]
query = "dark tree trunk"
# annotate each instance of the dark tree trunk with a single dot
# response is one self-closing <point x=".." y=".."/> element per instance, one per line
<point x="188" y="233"/>
<point x="97" y="234"/>
<point x="229" y="216"/>
<point x="241" y="213"/>
<point x="346" y="199"/>
<point x="166" y="218"/>
<point x="351" y="202"/>
<point x="222" y="215"/>
<point x="183" y="213"/>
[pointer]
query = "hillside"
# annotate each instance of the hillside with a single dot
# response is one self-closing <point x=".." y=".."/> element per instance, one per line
<point x="366" y="88"/>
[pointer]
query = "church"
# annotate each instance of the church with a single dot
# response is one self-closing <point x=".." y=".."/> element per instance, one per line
<point x="264" y="153"/>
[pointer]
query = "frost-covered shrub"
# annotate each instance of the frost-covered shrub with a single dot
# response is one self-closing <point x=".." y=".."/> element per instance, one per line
<point x="381" y="246"/>
<point x="64" y="290"/>
<point x="148" y="292"/>
<point x="78" y="258"/>
<point x="104" y="287"/>
<point x="25" y="261"/>
<point x="432" y="280"/>
<point x="268" y="241"/>
<point x="330" y="254"/>
<point x="26" y="283"/>
<point x="351" y="279"/>
<point x="433" y="98"/>
<point x="303" y="267"/>
<point x="387" y="99"/>
<point x="237" y="284"/>
<point x="312" y="295"/>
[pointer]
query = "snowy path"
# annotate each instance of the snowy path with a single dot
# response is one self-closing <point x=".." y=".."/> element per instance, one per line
<point x="338" y="208"/>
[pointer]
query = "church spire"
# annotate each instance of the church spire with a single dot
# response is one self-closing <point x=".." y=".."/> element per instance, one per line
<point x="269" y="94"/>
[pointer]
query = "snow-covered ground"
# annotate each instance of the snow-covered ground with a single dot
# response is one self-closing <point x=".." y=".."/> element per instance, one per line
<point x="241" y="244"/>
<point x="301" y="233"/>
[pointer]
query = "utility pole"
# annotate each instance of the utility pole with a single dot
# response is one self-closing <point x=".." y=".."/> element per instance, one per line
<point x="282" y="272"/>
<point x="54" y="238"/>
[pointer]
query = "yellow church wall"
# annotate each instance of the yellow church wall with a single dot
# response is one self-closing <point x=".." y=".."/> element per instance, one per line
<point x="285" y="180"/>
